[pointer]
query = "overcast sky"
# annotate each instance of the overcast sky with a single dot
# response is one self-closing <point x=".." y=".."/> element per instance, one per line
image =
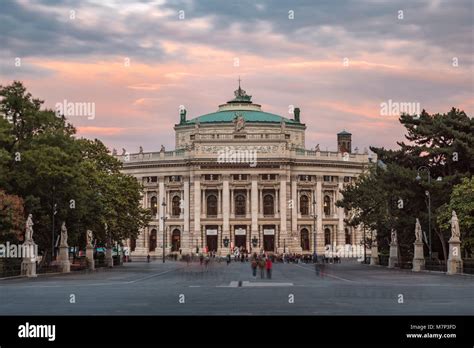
<point x="138" y="61"/>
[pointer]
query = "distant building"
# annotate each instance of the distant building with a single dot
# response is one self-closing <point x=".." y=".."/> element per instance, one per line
<point x="242" y="177"/>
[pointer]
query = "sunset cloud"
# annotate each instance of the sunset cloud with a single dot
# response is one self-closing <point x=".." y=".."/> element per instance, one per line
<point x="138" y="61"/>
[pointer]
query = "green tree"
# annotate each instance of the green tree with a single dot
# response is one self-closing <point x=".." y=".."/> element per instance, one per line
<point x="443" y="143"/>
<point x="52" y="170"/>
<point x="462" y="202"/>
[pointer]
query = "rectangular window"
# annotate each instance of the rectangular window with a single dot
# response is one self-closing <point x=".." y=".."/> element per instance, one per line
<point x="238" y="177"/>
<point x="347" y="179"/>
<point x="327" y="178"/>
<point x="305" y="178"/>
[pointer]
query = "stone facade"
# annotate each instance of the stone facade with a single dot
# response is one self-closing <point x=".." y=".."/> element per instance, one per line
<point x="247" y="182"/>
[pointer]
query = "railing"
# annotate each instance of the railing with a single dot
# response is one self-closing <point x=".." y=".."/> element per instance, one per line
<point x="10" y="267"/>
<point x="435" y="265"/>
<point x="468" y="266"/>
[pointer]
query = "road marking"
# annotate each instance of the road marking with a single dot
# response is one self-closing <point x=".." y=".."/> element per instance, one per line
<point x="263" y="284"/>
<point x="328" y="275"/>
<point x="235" y="284"/>
<point x="154" y="275"/>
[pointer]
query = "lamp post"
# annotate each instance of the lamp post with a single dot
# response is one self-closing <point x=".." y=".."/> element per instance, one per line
<point x="315" y="216"/>
<point x="427" y="194"/>
<point x="163" y="217"/>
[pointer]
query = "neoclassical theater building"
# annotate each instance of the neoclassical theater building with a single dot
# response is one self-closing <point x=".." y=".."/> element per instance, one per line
<point x="241" y="176"/>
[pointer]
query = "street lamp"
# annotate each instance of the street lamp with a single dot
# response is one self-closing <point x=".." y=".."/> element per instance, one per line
<point x="163" y="217"/>
<point x="427" y="194"/>
<point x="315" y="216"/>
<point x="226" y="241"/>
<point x="254" y="242"/>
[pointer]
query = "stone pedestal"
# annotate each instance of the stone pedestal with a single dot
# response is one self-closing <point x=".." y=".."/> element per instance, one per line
<point x="28" y="264"/>
<point x="418" y="258"/>
<point x="63" y="259"/>
<point x="374" y="255"/>
<point x="90" y="257"/>
<point x="393" y="258"/>
<point x="454" y="259"/>
<point x="109" y="260"/>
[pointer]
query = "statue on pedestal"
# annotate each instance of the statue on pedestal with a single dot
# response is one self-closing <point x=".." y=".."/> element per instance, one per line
<point x="29" y="229"/>
<point x="89" y="238"/>
<point x="394" y="237"/>
<point x="63" y="235"/>
<point x="455" y="231"/>
<point x="418" y="232"/>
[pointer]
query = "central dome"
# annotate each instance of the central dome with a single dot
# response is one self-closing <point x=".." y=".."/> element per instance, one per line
<point x="243" y="106"/>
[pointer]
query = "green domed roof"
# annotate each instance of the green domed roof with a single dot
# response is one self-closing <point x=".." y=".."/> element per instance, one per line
<point x="240" y="107"/>
<point x="248" y="115"/>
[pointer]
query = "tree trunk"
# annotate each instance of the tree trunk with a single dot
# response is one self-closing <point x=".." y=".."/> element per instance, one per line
<point x="443" y="244"/>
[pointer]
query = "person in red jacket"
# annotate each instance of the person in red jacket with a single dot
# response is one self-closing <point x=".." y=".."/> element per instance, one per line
<point x="268" y="266"/>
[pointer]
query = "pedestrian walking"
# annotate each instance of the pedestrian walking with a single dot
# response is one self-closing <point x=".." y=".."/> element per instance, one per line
<point x="268" y="266"/>
<point x="148" y="258"/>
<point x="201" y="258"/>
<point x="261" y="267"/>
<point x="254" y="267"/>
<point x="228" y="259"/>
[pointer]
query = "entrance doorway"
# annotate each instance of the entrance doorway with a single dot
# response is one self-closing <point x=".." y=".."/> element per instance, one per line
<point x="305" y="239"/>
<point x="211" y="238"/>
<point x="269" y="238"/>
<point x="240" y="237"/>
<point x="176" y="240"/>
<point x="211" y="243"/>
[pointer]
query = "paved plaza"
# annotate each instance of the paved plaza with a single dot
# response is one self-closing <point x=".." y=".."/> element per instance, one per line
<point x="175" y="288"/>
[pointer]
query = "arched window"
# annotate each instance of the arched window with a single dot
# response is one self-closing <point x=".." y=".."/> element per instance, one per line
<point x="268" y="205"/>
<point x="304" y="239"/>
<point x="176" y="240"/>
<point x="304" y="205"/>
<point x="212" y="205"/>
<point x="176" y="206"/>
<point x="327" y="205"/>
<point x="240" y="204"/>
<point x="152" y="244"/>
<point x="327" y="236"/>
<point x="154" y="205"/>
<point x="348" y="236"/>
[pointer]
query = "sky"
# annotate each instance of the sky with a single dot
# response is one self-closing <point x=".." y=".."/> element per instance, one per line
<point x="136" y="62"/>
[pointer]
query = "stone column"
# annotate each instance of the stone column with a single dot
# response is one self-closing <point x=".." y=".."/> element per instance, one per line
<point x="28" y="264"/>
<point x="160" y="200"/>
<point x="247" y="202"/>
<point x="340" y="215"/>
<point x="260" y="202"/>
<point x="319" y="218"/>
<point x="226" y="201"/>
<point x="254" y="198"/>
<point x="232" y="208"/>
<point x="283" y="218"/>
<point x="90" y="253"/>
<point x="393" y="257"/>
<point x="374" y="252"/>
<point x="197" y="207"/>
<point x="277" y="202"/>
<point x="418" y="258"/>
<point x="219" y="202"/>
<point x="294" y="210"/>
<point x="186" y="243"/>
<point x="454" y="259"/>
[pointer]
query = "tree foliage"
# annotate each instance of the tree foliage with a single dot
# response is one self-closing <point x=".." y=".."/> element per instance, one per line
<point x="43" y="162"/>
<point x="390" y="196"/>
